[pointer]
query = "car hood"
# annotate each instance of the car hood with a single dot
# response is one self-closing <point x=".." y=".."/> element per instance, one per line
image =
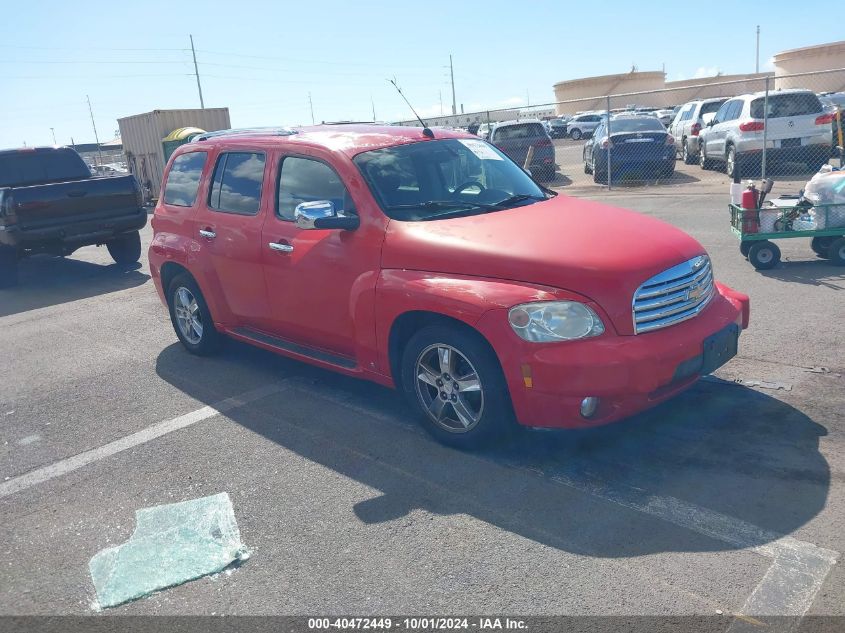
<point x="601" y="252"/>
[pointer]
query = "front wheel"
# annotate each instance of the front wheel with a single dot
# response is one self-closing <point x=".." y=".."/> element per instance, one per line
<point x="454" y="380"/>
<point x="575" y="134"/>
<point x="764" y="255"/>
<point x="191" y="318"/>
<point x="125" y="249"/>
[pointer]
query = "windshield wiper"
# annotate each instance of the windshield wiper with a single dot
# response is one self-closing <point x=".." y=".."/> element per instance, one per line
<point x="520" y="197"/>
<point x="434" y="205"/>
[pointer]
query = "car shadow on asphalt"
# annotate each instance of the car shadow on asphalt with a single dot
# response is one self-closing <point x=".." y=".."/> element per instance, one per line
<point x="719" y="446"/>
<point x="817" y="272"/>
<point x="46" y="281"/>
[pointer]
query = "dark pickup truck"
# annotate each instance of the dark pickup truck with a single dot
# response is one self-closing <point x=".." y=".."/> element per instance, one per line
<point x="50" y="203"/>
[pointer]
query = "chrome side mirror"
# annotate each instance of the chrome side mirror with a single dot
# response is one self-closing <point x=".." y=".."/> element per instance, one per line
<point x="321" y="214"/>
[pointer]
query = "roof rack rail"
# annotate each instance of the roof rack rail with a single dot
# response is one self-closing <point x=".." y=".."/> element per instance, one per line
<point x="276" y="131"/>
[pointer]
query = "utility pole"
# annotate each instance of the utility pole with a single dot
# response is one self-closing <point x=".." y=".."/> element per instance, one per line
<point x="373" y="103"/>
<point x="440" y="93"/>
<point x="757" y="67"/>
<point x="94" y="125"/>
<point x="527" y="98"/>
<point x="53" y="132"/>
<point x="311" y="105"/>
<point x="196" y="71"/>
<point x="452" y="75"/>
<point x="72" y="143"/>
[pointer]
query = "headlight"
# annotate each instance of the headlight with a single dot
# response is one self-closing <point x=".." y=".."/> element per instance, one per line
<point x="550" y="321"/>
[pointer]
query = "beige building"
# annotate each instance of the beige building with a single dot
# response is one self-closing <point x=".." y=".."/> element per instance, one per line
<point x="589" y="93"/>
<point x="812" y="59"/>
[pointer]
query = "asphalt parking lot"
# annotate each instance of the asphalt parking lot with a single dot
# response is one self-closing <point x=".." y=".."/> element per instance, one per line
<point x="726" y="500"/>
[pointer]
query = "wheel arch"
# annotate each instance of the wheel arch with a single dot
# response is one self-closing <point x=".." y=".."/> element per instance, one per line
<point x="405" y="325"/>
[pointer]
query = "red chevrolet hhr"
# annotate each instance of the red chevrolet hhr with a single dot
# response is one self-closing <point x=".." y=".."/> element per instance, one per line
<point x="429" y="261"/>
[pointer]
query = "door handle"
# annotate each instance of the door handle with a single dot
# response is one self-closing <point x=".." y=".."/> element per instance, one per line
<point x="282" y="248"/>
<point x="210" y="235"/>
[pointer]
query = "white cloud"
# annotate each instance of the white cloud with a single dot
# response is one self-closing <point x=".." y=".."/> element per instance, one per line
<point x="705" y="71"/>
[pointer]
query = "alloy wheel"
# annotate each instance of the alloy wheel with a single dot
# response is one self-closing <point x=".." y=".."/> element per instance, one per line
<point x="188" y="316"/>
<point x="449" y="388"/>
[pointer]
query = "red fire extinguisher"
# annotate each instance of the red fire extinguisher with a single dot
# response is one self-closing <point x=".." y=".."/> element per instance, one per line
<point x="750" y="219"/>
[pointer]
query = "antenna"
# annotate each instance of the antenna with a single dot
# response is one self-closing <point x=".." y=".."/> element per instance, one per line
<point x="426" y="132"/>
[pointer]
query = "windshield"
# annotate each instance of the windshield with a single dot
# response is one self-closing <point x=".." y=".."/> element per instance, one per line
<point x="645" y="124"/>
<point x="445" y="178"/>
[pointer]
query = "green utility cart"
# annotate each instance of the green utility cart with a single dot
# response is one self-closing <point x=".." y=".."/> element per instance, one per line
<point x="823" y="223"/>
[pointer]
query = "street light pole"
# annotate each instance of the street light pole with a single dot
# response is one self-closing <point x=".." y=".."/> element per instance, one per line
<point x="452" y="75"/>
<point x="53" y="132"/>
<point x="757" y="66"/>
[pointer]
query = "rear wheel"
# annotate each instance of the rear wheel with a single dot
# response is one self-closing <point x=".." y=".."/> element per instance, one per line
<point x="821" y="246"/>
<point x="8" y="267"/>
<point x="703" y="162"/>
<point x="190" y="316"/>
<point x="125" y="249"/>
<point x="454" y="380"/>
<point x="764" y="255"/>
<point x="836" y="252"/>
<point x="599" y="177"/>
<point x="575" y="134"/>
<point x="688" y="160"/>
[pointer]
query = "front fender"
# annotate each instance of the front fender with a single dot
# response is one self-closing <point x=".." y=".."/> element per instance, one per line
<point x="462" y="298"/>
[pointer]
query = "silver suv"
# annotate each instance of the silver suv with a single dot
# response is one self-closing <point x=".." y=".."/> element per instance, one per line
<point x="689" y="122"/>
<point x="582" y="125"/>
<point x="797" y="129"/>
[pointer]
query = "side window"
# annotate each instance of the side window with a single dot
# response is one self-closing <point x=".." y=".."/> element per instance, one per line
<point x="307" y="180"/>
<point x="722" y="113"/>
<point x="183" y="181"/>
<point x="236" y="185"/>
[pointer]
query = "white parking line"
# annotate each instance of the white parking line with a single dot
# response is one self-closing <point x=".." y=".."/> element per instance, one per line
<point x="64" y="466"/>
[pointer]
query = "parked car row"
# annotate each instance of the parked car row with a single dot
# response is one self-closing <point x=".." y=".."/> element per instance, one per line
<point x="630" y="144"/>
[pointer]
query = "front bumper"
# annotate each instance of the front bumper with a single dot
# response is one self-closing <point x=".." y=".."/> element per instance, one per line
<point x="628" y="373"/>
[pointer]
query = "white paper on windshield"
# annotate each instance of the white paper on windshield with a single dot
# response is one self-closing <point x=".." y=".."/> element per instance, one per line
<point x="481" y="149"/>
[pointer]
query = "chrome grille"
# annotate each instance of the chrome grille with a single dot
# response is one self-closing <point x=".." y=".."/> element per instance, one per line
<point x="674" y="295"/>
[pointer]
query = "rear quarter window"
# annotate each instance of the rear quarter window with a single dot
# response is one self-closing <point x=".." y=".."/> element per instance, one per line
<point x="183" y="180"/>
<point x="786" y="105"/>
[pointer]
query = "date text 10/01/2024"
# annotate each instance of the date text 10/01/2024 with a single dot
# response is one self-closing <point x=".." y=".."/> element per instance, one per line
<point x="416" y="624"/>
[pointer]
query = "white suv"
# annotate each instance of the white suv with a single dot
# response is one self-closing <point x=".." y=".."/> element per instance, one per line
<point x="798" y="131"/>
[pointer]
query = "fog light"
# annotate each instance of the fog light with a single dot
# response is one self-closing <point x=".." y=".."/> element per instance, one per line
<point x="589" y="406"/>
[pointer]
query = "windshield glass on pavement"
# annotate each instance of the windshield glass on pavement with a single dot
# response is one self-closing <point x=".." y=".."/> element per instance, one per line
<point x="445" y="178"/>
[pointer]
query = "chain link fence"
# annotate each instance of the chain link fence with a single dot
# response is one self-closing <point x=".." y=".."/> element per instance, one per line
<point x="694" y="137"/>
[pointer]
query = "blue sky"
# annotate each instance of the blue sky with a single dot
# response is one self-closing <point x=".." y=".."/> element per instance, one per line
<point x="262" y="59"/>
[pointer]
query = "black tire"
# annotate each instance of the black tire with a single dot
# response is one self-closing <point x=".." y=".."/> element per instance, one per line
<point x="685" y="155"/>
<point x="125" y="249"/>
<point x="210" y="339"/>
<point x="8" y="267"/>
<point x="821" y="246"/>
<point x="587" y="168"/>
<point x="575" y="134"/>
<point x="764" y="255"/>
<point x="836" y="252"/>
<point x="496" y="420"/>
<point x="668" y="172"/>
<point x="744" y="247"/>
<point x="599" y="177"/>
<point x="733" y="166"/>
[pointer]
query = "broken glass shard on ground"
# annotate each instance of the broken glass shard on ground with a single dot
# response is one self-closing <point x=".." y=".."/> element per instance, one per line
<point x="172" y="544"/>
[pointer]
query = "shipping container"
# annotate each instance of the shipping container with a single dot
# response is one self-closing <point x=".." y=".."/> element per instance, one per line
<point x="143" y="134"/>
